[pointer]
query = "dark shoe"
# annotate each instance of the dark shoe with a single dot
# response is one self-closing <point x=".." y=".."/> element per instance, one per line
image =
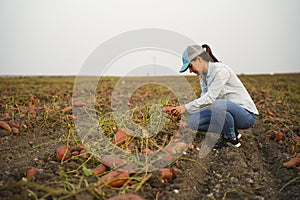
<point x="220" y="144"/>
<point x="232" y="142"/>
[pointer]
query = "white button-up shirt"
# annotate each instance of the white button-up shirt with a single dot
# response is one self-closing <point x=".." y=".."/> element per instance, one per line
<point x="221" y="82"/>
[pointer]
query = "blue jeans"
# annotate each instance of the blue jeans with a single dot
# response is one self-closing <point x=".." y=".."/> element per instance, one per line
<point x="224" y="117"/>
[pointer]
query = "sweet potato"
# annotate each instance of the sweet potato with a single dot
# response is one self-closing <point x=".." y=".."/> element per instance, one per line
<point x="99" y="169"/>
<point x="166" y="173"/>
<point x="34" y="99"/>
<point x="176" y="147"/>
<point x="63" y="153"/>
<point x="268" y="137"/>
<point x="7" y="116"/>
<point x="58" y="107"/>
<point x="22" y="116"/>
<point x="130" y="183"/>
<point x="79" y="104"/>
<point x="147" y="151"/>
<point x="278" y="136"/>
<point x="71" y="117"/>
<point x="126" y="197"/>
<point x="111" y="161"/>
<point x="114" y="179"/>
<point x="5" y="126"/>
<point x="75" y="153"/>
<point x="170" y="158"/>
<point x="270" y="113"/>
<point x="67" y="109"/>
<point x="77" y="147"/>
<point x="84" y="154"/>
<point x="31" y="172"/>
<point x="121" y="179"/>
<point x="169" y="109"/>
<point x="120" y="137"/>
<point x="292" y="162"/>
<point x="14" y="124"/>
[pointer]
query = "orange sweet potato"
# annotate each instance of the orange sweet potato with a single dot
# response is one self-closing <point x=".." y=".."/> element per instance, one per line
<point x="5" y="126"/>
<point x="147" y="151"/>
<point x="84" y="154"/>
<point x="170" y="157"/>
<point x="166" y="173"/>
<point x="63" y="153"/>
<point x="77" y="147"/>
<point x="7" y="116"/>
<point x="67" y="109"/>
<point x="111" y="161"/>
<point x="22" y="116"/>
<point x="278" y="136"/>
<point x="121" y="179"/>
<point x="292" y="162"/>
<point x="99" y="169"/>
<point x="14" y="124"/>
<point x="79" y="104"/>
<point x="126" y="197"/>
<point x="58" y="107"/>
<point x="120" y="137"/>
<point x="270" y="113"/>
<point x="176" y="147"/>
<point x="169" y="109"/>
<point x="75" y="153"/>
<point x="114" y="179"/>
<point x="71" y="117"/>
<point x="31" y="172"/>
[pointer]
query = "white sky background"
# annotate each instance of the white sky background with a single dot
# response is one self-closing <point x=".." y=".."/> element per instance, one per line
<point x="55" y="37"/>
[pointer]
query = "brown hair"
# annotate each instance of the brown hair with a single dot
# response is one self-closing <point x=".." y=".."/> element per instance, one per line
<point x="209" y="52"/>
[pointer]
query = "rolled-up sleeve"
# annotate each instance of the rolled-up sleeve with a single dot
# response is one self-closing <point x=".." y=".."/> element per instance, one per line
<point x="214" y="87"/>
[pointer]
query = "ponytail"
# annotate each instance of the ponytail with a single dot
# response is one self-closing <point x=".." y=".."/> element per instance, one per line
<point x="209" y="52"/>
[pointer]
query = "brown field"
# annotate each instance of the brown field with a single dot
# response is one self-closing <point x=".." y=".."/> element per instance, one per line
<point x="35" y="121"/>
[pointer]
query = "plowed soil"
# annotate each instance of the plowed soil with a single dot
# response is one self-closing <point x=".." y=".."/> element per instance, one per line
<point x="253" y="171"/>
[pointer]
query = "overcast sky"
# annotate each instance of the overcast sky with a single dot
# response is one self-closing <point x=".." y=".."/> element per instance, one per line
<point x="56" y="37"/>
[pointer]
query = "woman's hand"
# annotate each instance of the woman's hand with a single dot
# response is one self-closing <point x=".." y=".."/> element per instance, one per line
<point x="178" y="110"/>
<point x="175" y="110"/>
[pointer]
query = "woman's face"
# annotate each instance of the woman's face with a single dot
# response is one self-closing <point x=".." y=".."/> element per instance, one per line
<point x="197" y="66"/>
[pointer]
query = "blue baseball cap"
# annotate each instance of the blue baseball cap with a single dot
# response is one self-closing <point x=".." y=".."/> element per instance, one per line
<point x="185" y="61"/>
<point x="189" y="54"/>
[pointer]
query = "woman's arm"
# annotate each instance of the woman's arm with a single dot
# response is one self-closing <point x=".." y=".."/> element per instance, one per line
<point x="214" y="87"/>
<point x="203" y="84"/>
